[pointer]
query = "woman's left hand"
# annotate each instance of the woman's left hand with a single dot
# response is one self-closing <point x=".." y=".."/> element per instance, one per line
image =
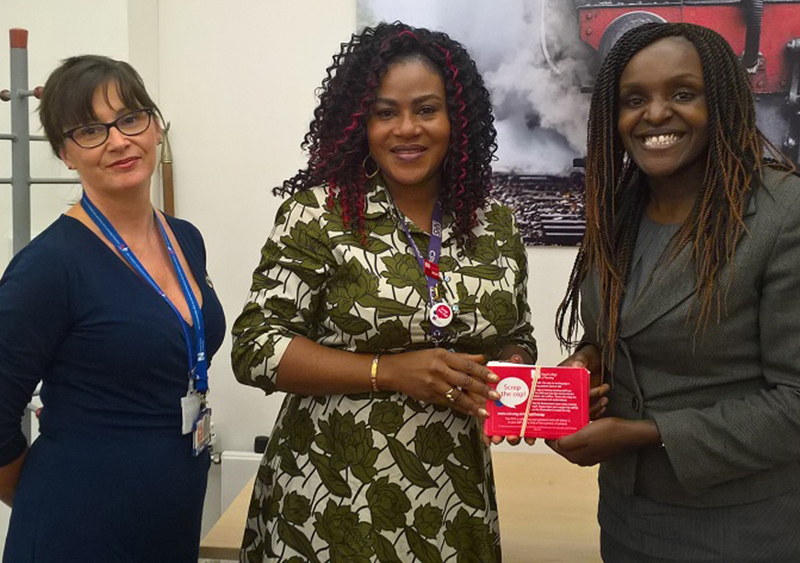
<point x="588" y="356"/>
<point x="601" y="439"/>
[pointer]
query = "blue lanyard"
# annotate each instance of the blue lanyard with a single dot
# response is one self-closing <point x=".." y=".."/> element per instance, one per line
<point x="430" y="266"/>
<point x="198" y="365"/>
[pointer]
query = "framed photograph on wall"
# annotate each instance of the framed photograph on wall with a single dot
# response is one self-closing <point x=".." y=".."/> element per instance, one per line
<point x="538" y="59"/>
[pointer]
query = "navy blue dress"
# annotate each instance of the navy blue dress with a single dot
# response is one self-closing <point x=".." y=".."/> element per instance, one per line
<point x="110" y="478"/>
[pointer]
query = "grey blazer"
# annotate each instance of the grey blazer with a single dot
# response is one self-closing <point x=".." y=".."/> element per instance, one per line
<point x="727" y="402"/>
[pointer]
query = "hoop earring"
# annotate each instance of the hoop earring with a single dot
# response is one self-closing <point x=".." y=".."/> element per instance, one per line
<point x="370" y="175"/>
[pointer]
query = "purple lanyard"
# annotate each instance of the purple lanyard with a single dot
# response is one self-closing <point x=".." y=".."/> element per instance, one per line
<point x="430" y="267"/>
<point x="198" y="366"/>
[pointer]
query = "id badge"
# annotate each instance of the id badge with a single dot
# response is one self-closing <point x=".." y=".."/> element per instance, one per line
<point x="190" y="410"/>
<point x="201" y="433"/>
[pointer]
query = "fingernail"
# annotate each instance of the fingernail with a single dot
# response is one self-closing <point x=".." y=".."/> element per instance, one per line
<point x="483" y="413"/>
<point x="493" y="377"/>
<point x="494" y="395"/>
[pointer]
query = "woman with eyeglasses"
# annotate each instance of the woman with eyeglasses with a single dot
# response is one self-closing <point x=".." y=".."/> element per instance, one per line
<point x="112" y="310"/>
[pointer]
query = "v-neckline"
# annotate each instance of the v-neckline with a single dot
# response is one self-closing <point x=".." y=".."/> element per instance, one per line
<point x="189" y="322"/>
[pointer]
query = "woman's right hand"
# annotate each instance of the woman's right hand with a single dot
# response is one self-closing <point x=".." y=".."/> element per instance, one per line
<point x="9" y="477"/>
<point x="588" y="356"/>
<point x="436" y="375"/>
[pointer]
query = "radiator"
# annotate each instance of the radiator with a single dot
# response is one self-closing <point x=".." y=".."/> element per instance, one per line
<point x="237" y="469"/>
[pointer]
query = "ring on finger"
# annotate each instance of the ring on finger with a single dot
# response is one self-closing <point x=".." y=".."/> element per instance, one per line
<point x="450" y="397"/>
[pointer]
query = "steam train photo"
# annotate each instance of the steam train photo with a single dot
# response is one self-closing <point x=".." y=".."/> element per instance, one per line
<point x="765" y="32"/>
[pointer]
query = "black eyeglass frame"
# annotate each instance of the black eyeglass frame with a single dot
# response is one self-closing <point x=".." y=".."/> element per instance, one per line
<point x="71" y="132"/>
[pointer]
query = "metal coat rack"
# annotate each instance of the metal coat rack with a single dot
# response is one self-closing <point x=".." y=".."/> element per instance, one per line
<point x="20" y="137"/>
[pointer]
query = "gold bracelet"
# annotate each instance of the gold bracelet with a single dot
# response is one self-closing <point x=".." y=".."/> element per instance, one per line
<point x="373" y="374"/>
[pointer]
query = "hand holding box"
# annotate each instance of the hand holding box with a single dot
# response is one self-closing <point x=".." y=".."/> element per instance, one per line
<point x="538" y="401"/>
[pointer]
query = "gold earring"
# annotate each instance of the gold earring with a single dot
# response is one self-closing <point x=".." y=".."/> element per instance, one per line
<point x="370" y="175"/>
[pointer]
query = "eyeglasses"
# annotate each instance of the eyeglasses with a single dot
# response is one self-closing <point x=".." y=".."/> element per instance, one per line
<point x="95" y="134"/>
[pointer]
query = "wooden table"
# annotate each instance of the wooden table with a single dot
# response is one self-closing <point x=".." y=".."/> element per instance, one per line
<point x="224" y="539"/>
<point x="547" y="510"/>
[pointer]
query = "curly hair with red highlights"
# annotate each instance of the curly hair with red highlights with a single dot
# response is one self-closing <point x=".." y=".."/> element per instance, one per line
<point x="337" y="138"/>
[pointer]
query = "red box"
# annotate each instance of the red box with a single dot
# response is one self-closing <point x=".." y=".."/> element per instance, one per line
<point x="559" y="405"/>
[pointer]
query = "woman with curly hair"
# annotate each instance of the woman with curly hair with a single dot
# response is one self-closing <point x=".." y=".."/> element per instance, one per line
<point x="688" y="288"/>
<point x="390" y="278"/>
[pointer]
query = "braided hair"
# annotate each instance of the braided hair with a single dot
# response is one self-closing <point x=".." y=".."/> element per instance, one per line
<point x="337" y="138"/>
<point x="615" y="203"/>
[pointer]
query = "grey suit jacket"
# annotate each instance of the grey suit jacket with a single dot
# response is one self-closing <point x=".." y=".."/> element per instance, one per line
<point x="727" y="401"/>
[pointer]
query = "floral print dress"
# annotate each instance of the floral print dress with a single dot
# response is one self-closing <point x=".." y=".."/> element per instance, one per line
<point x="375" y="476"/>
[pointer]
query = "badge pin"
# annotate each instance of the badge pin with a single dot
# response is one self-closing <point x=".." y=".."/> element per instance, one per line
<point x="441" y="315"/>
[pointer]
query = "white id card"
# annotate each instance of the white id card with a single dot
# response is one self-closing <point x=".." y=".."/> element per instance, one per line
<point x="190" y="410"/>
<point x="201" y="435"/>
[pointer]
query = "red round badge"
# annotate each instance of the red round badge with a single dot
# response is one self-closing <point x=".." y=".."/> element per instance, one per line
<point x="441" y="315"/>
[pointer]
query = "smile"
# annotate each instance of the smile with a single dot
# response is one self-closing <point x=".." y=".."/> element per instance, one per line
<point x="408" y="153"/>
<point x="660" y="141"/>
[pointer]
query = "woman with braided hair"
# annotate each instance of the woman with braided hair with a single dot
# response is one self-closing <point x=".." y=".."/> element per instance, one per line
<point x="389" y="280"/>
<point x="688" y="287"/>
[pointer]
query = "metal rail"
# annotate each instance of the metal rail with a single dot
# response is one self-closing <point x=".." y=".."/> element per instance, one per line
<point x="20" y="138"/>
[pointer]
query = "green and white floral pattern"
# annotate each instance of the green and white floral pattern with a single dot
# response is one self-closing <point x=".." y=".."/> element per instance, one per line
<point x="374" y="476"/>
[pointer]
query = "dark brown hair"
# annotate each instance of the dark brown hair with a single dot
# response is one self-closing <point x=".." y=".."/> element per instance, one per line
<point x="615" y="201"/>
<point x="67" y="96"/>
